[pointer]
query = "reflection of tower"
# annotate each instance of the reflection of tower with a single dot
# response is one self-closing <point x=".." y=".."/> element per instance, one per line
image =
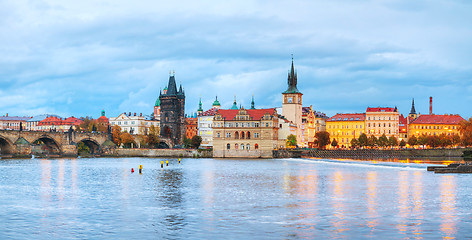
<point x="172" y="105"/>
<point x="292" y="103"/>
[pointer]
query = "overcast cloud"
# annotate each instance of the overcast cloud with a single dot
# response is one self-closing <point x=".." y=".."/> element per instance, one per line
<point x="79" y="57"/>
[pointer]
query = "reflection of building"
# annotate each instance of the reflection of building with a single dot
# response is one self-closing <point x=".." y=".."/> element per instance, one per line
<point x="345" y="127"/>
<point x="58" y="124"/>
<point x="382" y="120"/>
<point x="12" y="123"/>
<point x="435" y="125"/>
<point x="312" y="122"/>
<point x="292" y="103"/>
<point x="245" y="133"/>
<point x="172" y="105"/>
<point x="192" y="127"/>
<point x="134" y="124"/>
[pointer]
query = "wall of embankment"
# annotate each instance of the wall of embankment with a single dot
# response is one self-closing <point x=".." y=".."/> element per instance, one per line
<point x="372" y="153"/>
<point x="139" y="152"/>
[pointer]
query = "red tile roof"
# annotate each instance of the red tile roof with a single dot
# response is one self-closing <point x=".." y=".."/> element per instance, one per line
<point x="256" y="114"/>
<point x="209" y="112"/>
<point x="102" y="119"/>
<point x="347" y="117"/>
<point x="59" y="121"/>
<point x="402" y="124"/>
<point x="438" y="119"/>
<point x="381" y="109"/>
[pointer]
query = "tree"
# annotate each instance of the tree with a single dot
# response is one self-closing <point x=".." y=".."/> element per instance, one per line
<point x="291" y="141"/>
<point x="187" y="142"/>
<point x="373" y="141"/>
<point x="383" y="141"/>
<point x="334" y="143"/>
<point x="412" y="141"/>
<point x="354" y="142"/>
<point x="363" y="141"/>
<point x="423" y="139"/>
<point x="392" y="141"/>
<point x="322" y="139"/>
<point x="402" y="143"/>
<point x="465" y="128"/>
<point x="116" y="133"/>
<point x="432" y="141"/>
<point x="196" y="141"/>
<point x="127" y="139"/>
<point x="152" y="138"/>
<point x="82" y="148"/>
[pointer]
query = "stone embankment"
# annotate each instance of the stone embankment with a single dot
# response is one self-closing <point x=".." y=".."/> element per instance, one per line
<point x="139" y="152"/>
<point x="372" y="153"/>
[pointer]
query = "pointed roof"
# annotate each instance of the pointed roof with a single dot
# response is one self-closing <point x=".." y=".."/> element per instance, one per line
<point x="171" y="87"/>
<point x="216" y="102"/>
<point x="235" y="105"/>
<point x="158" y="103"/>
<point x="252" y="103"/>
<point x="200" y="109"/>
<point x="292" y="81"/>
<point x="413" y="110"/>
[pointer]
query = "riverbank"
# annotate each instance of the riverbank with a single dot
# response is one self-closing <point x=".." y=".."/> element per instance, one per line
<point x="452" y="153"/>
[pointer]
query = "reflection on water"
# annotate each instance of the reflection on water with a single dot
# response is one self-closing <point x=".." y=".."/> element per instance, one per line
<point x="243" y="199"/>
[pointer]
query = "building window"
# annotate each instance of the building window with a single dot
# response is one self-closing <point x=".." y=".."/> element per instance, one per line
<point x="256" y="135"/>
<point x="218" y="135"/>
<point x="242" y="146"/>
<point x="257" y="124"/>
<point x="248" y="135"/>
<point x="242" y="135"/>
<point x="228" y="146"/>
<point x="256" y="146"/>
<point x="236" y="146"/>
<point x="236" y="135"/>
<point x="247" y="146"/>
<point x="228" y="135"/>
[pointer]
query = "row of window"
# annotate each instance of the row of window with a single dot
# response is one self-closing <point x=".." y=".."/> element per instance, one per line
<point x="238" y="135"/>
<point x="380" y="125"/>
<point x="433" y="127"/>
<point x="345" y="126"/>
<point x="132" y="123"/>
<point x="380" y="131"/>
<point x="380" y="118"/>
<point x="242" y="146"/>
<point x="353" y="133"/>
<point x="249" y="124"/>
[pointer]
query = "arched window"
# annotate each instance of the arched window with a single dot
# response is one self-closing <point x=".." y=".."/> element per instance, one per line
<point x="242" y="135"/>
<point x="236" y="146"/>
<point x="248" y="135"/>
<point x="236" y="135"/>
<point x="242" y="146"/>
<point x="247" y="146"/>
<point x="256" y="146"/>
<point x="228" y="146"/>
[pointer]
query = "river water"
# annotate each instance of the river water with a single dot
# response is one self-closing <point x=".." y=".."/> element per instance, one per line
<point x="230" y="199"/>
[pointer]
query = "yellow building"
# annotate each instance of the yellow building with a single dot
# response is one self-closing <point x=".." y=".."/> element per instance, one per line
<point x="312" y="122"/>
<point x="345" y="127"/>
<point x="382" y="120"/>
<point x="435" y="125"/>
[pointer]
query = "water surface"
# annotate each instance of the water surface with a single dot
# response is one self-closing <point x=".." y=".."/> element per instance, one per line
<point x="231" y="199"/>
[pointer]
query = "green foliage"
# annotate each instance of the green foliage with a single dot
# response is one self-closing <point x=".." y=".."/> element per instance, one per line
<point x="187" y="142"/>
<point x="322" y="139"/>
<point x="372" y="141"/>
<point x="127" y="140"/>
<point x="196" y="141"/>
<point x="383" y="141"/>
<point x="465" y="128"/>
<point x="152" y="138"/>
<point x="412" y="141"/>
<point x="82" y="148"/>
<point x="291" y="140"/>
<point x="334" y="143"/>
<point x="402" y="143"/>
<point x="392" y="141"/>
<point x="363" y="140"/>
<point x="354" y="143"/>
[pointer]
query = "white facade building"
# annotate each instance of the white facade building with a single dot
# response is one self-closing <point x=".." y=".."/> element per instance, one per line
<point x="134" y="124"/>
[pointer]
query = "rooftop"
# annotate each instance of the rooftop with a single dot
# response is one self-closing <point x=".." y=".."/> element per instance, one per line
<point x="347" y="117"/>
<point x="438" y="119"/>
<point x="255" y="114"/>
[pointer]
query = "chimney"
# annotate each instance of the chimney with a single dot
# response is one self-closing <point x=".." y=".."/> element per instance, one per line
<point x="430" y="105"/>
<point x="141" y="114"/>
<point x="135" y="114"/>
<point x="129" y="114"/>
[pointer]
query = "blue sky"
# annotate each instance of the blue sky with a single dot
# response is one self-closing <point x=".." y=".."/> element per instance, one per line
<point x="75" y="58"/>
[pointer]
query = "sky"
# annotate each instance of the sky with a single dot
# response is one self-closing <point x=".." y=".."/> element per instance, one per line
<point x="75" y="58"/>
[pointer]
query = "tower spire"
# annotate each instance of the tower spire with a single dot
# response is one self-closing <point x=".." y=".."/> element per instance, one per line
<point x="292" y="80"/>
<point x="252" y="102"/>
<point x="235" y="105"/>
<point x="413" y="110"/>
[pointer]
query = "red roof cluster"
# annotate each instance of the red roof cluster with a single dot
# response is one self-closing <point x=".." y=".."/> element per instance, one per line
<point x="102" y="119"/>
<point x="255" y="114"/>
<point x="347" y="117"/>
<point x="59" y="121"/>
<point x="209" y="112"/>
<point x="438" y="119"/>
<point x="381" y="109"/>
<point x="403" y="124"/>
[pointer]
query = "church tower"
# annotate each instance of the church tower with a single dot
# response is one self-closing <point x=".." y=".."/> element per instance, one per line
<point x="413" y="114"/>
<point x="292" y="103"/>
<point x="172" y="106"/>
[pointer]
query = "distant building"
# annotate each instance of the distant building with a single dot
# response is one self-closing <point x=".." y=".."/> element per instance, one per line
<point x="382" y="120"/>
<point x="245" y="133"/>
<point x="312" y="122"/>
<point x="192" y="127"/>
<point x="435" y="125"/>
<point x="205" y="123"/>
<point x="292" y="103"/>
<point x="12" y="123"/>
<point x="58" y="124"/>
<point x="172" y="107"/>
<point x="133" y="123"/>
<point x="286" y="128"/>
<point x="343" y="127"/>
<point x="403" y="128"/>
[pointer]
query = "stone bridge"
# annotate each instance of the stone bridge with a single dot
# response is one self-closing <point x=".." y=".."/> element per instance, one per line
<point x="55" y="143"/>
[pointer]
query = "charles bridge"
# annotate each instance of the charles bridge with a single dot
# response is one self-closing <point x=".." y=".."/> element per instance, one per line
<point x="19" y="143"/>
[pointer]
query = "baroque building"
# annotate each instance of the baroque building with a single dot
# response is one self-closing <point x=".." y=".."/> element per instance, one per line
<point x="382" y="120"/>
<point x="172" y="108"/>
<point x="345" y="126"/>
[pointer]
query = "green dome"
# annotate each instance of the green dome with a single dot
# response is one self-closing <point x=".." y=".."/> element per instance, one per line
<point x="216" y="102"/>
<point x="158" y="103"/>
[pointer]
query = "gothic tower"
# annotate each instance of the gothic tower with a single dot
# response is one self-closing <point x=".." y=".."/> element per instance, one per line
<point x="172" y="107"/>
<point x="413" y="114"/>
<point x="292" y="102"/>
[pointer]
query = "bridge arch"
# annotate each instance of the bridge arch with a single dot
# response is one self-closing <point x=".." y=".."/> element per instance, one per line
<point x="92" y="144"/>
<point x="165" y="143"/>
<point x="46" y="144"/>
<point x="6" y="146"/>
